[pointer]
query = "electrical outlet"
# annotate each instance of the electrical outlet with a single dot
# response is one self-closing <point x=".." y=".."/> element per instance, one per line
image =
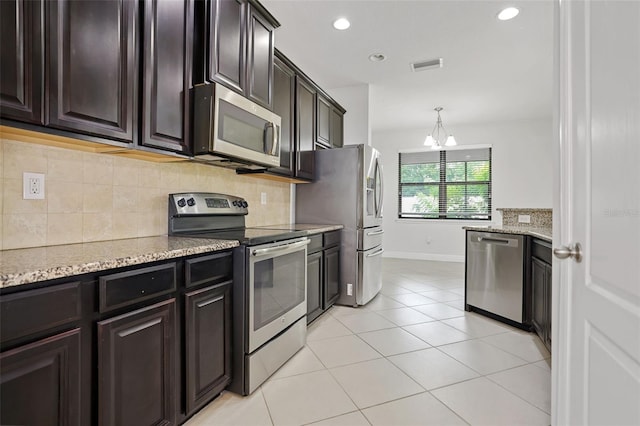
<point x="524" y="218"/>
<point x="263" y="198"/>
<point x="32" y="186"/>
<point x="349" y="289"/>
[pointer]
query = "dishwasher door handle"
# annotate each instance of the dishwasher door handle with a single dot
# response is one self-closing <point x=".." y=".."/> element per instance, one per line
<point x="493" y="240"/>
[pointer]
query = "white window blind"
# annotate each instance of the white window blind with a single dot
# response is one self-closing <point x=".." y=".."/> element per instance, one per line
<point x="447" y="184"/>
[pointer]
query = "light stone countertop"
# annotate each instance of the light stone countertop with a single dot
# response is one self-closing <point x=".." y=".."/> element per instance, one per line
<point x="542" y="233"/>
<point x="310" y="228"/>
<point x="30" y="265"/>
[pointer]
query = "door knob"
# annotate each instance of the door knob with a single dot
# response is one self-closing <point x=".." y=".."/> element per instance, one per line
<point x="574" y="251"/>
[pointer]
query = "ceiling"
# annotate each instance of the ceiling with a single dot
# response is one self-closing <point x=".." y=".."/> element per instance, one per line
<point x="493" y="71"/>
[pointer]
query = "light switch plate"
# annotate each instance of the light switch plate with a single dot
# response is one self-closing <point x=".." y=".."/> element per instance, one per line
<point x="263" y="198"/>
<point x="524" y="218"/>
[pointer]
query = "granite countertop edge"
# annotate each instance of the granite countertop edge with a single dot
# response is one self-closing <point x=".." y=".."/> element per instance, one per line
<point x="542" y="233"/>
<point x="318" y="229"/>
<point x="25" y="274"/>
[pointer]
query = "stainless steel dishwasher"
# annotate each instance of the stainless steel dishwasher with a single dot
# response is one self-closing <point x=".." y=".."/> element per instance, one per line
<point x="495" y="275"/>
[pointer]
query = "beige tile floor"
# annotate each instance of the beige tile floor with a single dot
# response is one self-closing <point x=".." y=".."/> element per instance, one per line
<point x="412" y="356"/>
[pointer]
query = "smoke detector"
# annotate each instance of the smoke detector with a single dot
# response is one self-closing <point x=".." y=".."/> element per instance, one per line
<point x="426" y="65"/>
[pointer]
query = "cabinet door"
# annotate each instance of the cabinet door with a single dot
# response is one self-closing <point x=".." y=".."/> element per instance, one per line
<point x="331" y="276"/>
<point x="305" y="128"/>
<point x="314" y="286"/>
<point x="208" y="343"/>
<point x="538" y="297"/>
<point x="259" y="59"/>
<point x="323" y="132"/>
<point x="227" y="43"/>
<point x="22" y="63"/>
<point x="40" y="382"/>
<point x="136" y="367"/>
<point x="337" y="131"/>
<point x="284" y="86"/>
<point x="92" y="67"/>
<point x="167" y="74"/>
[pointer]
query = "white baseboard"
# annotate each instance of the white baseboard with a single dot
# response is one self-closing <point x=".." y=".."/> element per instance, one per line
<point x="423" y="256"/>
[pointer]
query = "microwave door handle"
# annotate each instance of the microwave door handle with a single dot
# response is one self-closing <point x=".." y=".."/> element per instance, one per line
<point x="269" y="138"/>
<point x="276" y="140"/>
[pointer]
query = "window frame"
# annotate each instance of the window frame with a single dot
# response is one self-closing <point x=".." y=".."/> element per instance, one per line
<point x="442" y="185"/>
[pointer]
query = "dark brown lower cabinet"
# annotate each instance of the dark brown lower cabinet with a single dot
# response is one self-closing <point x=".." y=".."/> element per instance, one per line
<point x="136" y="367"/>
<point x="40" y="382"/>
<point x="323" y="273"/>
<point x="541" y="290"/>
<point x="332" y="275"/>
<point x="314" y="286"/>
<point x="208" y="343"/>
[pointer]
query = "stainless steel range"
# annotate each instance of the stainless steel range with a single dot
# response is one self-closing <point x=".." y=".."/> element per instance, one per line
<point x="269" y="289"/>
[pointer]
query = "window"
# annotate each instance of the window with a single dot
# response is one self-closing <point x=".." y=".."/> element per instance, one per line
<point x="447" y="184"/>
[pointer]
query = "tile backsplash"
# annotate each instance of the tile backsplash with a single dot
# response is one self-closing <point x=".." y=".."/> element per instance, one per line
<point x="539" y="218"/>
<point x="95" y="197"/>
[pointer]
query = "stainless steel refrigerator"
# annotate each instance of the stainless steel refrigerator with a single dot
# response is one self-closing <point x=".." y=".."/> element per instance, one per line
<point x="347" y="190"/>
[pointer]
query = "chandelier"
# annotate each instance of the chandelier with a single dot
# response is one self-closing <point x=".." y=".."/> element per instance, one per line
<point x="436" y="139"/>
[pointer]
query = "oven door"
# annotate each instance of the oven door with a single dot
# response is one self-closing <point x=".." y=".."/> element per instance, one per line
<point x="277" y="288"/>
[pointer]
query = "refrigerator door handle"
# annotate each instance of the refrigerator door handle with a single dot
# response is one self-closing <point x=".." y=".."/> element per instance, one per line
<point x="379" y="184"/>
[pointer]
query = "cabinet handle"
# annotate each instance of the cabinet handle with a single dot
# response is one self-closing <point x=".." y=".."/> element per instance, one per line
<point x="208" y="302"/>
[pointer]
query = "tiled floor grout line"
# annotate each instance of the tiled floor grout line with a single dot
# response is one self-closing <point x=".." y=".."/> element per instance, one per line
<point x="473" y="322"/>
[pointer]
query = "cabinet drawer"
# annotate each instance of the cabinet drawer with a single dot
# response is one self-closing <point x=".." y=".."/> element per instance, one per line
<point x="209" y="269"/>
<point x="541" y="250"/>
<point x="315" y="243"/>
<point x="332" y="238"/>
<point x="126" y="288"/>
<point x="33" y="311"/>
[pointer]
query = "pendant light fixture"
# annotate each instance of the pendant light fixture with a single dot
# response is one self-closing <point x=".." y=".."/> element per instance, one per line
<point x="436" y="139"/>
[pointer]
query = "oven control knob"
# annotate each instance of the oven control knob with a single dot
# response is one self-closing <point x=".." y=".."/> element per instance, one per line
<point x="182" y="202"/>
<point x="235" y="203"/>
<point x="191" y="202"/>
<point x="244" y="204"/>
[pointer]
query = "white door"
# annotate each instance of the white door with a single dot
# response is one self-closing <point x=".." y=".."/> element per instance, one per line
<point x="596" y="303"/>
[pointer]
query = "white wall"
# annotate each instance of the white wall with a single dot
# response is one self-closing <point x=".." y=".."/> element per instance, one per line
<point x="355" y="99"/>
<point x="521" y="172"/>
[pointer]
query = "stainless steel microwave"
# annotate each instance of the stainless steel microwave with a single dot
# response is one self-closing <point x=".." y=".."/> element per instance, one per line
<point x="231" y="130"/>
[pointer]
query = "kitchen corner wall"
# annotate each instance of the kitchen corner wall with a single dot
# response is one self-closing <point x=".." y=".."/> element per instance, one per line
<point x="96" y="197"/>
<point x="521" y="173"/>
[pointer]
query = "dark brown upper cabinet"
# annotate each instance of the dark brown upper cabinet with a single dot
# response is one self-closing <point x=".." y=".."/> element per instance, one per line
<point x="284" y="88"/>
<point x="323" y="136"/>
<point x="259" y="57"/>
<point x="92" y="67"/>
<point x="227" y="43"/>
<point x="22" y="64"/>
<point x="168" y="46"/>
<point x="330" y="127"/>
<point x="336" y="124"/>
<point x="239" y="47"/>
<point x="305" y="127"/>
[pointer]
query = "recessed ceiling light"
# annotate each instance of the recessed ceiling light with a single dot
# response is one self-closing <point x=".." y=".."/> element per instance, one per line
<point x="508" y="13"/>
<point x="377" y="57"/>
<point x="341" y="24"/>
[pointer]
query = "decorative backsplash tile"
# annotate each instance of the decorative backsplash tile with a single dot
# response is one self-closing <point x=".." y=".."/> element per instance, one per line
<point x="96" y="197"/>
<point x="539" y="218"/>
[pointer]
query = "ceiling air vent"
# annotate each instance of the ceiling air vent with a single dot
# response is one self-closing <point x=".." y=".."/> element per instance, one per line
<point x="426" y="65"/>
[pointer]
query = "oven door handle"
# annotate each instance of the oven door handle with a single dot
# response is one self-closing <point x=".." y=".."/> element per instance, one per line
<point x="266" y="251"/>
